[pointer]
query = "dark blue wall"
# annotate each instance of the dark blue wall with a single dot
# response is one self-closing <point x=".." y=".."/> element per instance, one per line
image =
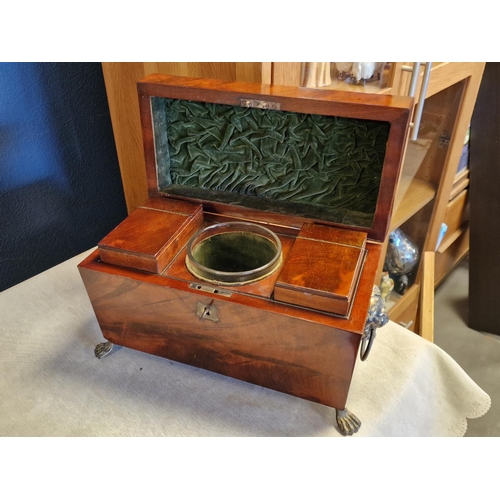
<point x="60" y="185"/>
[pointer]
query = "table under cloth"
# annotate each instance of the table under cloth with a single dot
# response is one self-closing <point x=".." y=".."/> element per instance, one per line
<point x="53" y="385"/>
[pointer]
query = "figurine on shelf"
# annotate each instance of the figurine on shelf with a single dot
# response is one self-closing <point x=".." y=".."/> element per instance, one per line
<point x="364" y="71"/>
<point x="315" y="74"/>
<point x="401" y="283"/>
<point x="386" y="285"/>
<point x="380" y="69"/>
<point x="343" y="69"/>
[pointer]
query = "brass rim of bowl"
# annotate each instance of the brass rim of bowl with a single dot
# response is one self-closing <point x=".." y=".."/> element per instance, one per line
<point x="233" y="277"/>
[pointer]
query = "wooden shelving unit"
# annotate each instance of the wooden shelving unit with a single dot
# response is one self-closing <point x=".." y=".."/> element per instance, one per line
<point x="448" y="259"/>
<point x="413" y="194"/>
<point x="456" y="217"/>
<point x="431" y="192"/>
<point x="449" y="240"/>
<point x="459" y="186"/>
<point x="403" y="308"/>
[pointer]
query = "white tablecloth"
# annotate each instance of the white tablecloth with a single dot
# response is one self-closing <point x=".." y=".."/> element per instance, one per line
<point x="52" y="385"/>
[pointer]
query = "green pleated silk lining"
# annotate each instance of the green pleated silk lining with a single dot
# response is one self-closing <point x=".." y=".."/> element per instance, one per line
<point x="314" y="166"/>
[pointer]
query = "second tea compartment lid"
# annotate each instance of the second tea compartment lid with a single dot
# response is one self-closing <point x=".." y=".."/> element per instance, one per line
<point x="322" y="269"/>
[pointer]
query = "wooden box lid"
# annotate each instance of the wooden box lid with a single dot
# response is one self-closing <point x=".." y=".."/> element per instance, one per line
<point x="322" y="269"/>
<point x="275" y="154"/>
<point x="152" y="235"/>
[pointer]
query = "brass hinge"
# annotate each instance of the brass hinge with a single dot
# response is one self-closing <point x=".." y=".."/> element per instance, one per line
<point x="210" y="289"/>
<point x="253" y="103"/>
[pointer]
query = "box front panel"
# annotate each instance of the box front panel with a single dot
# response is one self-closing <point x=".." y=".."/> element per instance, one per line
<point x="287" y="354"/>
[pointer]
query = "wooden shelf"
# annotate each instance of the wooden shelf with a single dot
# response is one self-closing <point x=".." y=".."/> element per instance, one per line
<point x="412" y="195"/>
<point x="458" y="187"/>
<point x="449" y="258"/>
<point x="460" y="175"/>
<point x="402" y="308"/>
<point x="443" y="75"/>
<point x="396" y="301"/>
<point x="450" y="239"/>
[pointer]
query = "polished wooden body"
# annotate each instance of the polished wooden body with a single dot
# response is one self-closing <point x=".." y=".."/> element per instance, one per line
<point x="298" y="347"/>
<point x="293" y="350"/>
<point x="323" y="269"/>
<point x="153" y="235"/>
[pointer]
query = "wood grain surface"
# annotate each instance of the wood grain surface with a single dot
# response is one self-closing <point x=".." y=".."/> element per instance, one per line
<point x="290" y="349"/>
<point x="334" y="235"/>
<point x="290" y="355"/>
<point x="151" y="236"/>
<point x="121" y="89"/>
<point x="322" y="269"/>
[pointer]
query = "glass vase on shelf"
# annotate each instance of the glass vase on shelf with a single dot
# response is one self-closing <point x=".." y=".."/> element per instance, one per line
<point x="401" y="259"/>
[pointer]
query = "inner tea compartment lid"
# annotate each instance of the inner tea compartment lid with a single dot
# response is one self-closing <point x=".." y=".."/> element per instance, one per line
<point x="322" y="269"/>
<point x="152" y="235"/>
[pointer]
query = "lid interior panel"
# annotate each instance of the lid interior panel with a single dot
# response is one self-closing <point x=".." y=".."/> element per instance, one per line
<point x="308" y="165"/>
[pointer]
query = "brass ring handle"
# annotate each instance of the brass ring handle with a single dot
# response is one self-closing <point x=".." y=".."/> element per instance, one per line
<point x="366" y="344"/>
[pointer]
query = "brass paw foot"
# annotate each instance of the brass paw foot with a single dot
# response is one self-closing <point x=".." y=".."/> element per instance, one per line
<point x="347" y="422"/>
<point x="103" y="349"/>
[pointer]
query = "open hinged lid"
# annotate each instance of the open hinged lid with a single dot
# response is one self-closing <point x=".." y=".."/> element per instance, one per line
<point x="283" y="155"/>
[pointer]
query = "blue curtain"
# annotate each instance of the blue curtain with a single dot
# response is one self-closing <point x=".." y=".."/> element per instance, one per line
<point x="60" y="184"/>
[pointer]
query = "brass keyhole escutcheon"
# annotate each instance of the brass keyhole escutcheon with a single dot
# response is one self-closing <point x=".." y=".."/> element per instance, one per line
<point x="207" y="311"/>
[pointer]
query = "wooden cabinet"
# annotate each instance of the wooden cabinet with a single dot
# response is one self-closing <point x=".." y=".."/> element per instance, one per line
<point x="430" y="191"/>
<point x="432" y="195"/>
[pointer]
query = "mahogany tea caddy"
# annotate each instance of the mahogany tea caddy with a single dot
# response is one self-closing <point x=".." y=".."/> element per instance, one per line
<point x="235" y="171"/>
